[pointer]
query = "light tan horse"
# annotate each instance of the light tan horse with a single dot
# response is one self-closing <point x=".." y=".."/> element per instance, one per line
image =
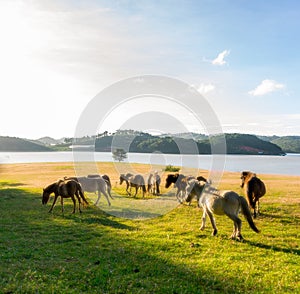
<point x="133" y="181"/>
<point x="93" y="184"/>
<point x="220" y="203"/>
<point x="254" y="189"/>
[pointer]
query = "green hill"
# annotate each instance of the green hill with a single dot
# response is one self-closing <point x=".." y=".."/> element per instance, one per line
<point x="289" y="144"/>
<point x="250" y="144"/>
<point x="132" y="141"/>
<point x="11" y="144"/>
<point x="140" y="142"/>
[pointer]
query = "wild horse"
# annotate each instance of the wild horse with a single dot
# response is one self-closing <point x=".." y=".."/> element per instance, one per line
<point x="94" y="184"/>
<point x="64" y="189"/>
<point x="220" y="203"/>
<point x="136" y="181"/>
<point x="254" y="189"/>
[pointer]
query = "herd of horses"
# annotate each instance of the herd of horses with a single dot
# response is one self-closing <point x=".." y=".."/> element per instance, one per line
<point x="212" y="201"/>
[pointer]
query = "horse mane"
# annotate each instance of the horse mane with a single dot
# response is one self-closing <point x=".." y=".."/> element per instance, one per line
<point x="247" y="175"/>
<point x="52" y="187"/>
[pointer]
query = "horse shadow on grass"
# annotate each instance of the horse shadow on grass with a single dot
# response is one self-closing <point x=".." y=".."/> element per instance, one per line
<point x="103" y="220"/>
<point x="129" y="258"/>
<point x="273" y="248"/>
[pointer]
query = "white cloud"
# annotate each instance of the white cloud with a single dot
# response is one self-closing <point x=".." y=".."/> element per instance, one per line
<point x="265" y="87"/>
<point x="205" y="88"/>
<point x="220" y="58"/>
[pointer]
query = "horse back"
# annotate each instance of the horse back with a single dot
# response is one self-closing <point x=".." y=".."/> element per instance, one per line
<point x="224" y="202"/>
<point x="137" y="180"/>
<point x="256" y="187"/>
<point x="67" y="187"/>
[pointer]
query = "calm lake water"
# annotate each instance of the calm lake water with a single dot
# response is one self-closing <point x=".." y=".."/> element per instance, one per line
<point x="286" y="165"/>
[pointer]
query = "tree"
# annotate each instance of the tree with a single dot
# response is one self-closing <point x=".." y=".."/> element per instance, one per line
<point x="119" y="154"/>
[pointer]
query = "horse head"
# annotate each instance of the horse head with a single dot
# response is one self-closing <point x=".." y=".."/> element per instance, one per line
<point x="45" y="197"/>
<point x="246" y="176"/>
<point x="171" y="179"/>
<point x="122" y="179"/>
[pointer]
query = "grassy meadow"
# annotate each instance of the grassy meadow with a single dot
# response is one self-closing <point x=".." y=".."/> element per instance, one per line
<point x="95" y="252"/>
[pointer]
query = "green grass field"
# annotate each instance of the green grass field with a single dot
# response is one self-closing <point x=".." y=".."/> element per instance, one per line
<point x="95" y="252"/>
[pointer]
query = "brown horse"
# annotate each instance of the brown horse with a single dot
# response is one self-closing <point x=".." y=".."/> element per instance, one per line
<point x="220" y="203"/>
<point x="64" y="189"/>
<point x="254" y="189"/>
<point x="135" y="181"/>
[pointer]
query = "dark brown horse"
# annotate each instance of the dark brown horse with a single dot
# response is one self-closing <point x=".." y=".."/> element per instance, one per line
<point x="133" y="181"/>
<point x="180" y="182"/>
<point x="254" y="189"/>
<point x="64" y="189"/>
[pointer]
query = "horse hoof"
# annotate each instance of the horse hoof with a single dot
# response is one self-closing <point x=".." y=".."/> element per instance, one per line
<point x="240" y="238"/>
<point x="215" y="232"/>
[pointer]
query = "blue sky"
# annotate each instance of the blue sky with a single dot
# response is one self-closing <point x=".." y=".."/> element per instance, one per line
<point x="242" y="56"/>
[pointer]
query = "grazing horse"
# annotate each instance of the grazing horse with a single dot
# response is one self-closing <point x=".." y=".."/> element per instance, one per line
<point x="184" y="184"/>
<point x="180" y="181"/>
<point x="153" y="183"/>
<point x="106" y="179"/>
<point x="135" y="181"/>
<point x="254" y="189"/>
<point x="64" y="189"/>
<point x="97" y="184"/>
<point x="220" y="203"/>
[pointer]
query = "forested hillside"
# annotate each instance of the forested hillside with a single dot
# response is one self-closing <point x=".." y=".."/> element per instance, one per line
<point x="290" y="144"/>
<point x="140" y="142"/>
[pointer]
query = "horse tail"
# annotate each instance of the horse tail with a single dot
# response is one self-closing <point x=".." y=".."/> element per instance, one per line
<point x="81" y="193"/>
<point x="246" y="212"/>
<point x="249" y="193"/>
<point x="108" y="184"/>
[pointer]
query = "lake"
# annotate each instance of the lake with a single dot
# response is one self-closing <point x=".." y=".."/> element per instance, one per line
<point x="262" y="164"/>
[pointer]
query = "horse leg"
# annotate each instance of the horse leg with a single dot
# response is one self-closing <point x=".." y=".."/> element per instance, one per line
<point x="62" y="204"/>
<point x="136" y="190"/>
<point x="128" y="191"/>
<point x="99" y="196"/>
<point x="55" y="198"/>
<point x="157" y="188"/>
<point x="203" y="220"/>
<point x="79" y="202"/>
<point x="74" y="203"/>
<point x="143" y="193"/>
<point x="213" y="222"/>
<point x="237" y="227"/>
<point x="177" y="195"/>
<point x="105" y="194"/>
<point x="109" y="191"/>
<point x="254" y="209"/>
